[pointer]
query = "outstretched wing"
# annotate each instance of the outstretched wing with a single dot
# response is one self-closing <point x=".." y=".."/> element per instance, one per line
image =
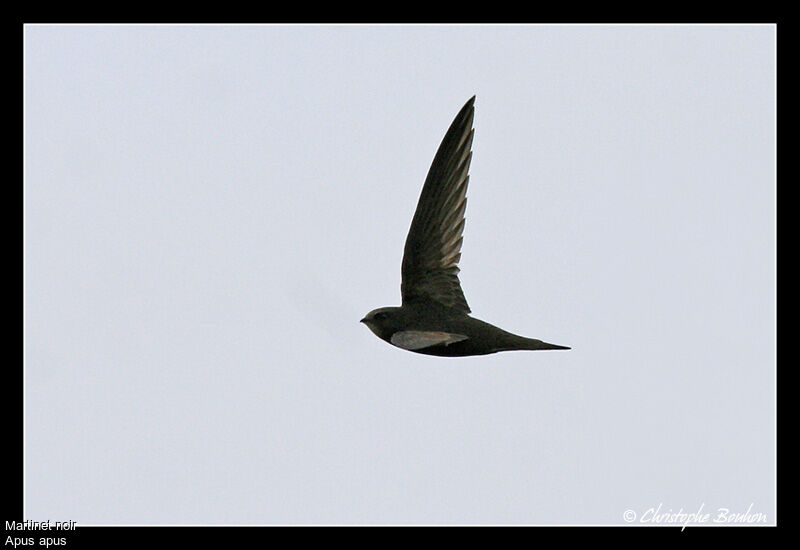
<point x="433" y="246"/>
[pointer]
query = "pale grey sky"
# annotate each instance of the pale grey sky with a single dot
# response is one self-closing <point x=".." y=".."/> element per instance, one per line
<point x="209" y="211"/>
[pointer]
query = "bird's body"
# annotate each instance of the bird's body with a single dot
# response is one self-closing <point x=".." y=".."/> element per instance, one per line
<point x="434" y="317"/>
<point x="430" y="320"/>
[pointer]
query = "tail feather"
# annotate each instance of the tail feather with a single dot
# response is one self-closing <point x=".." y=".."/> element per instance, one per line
<point x="532" y="344"/>
<point x="545" y="345"/>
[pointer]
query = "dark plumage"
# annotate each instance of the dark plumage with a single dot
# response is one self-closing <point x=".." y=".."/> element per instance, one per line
<point x="434" y="318"/>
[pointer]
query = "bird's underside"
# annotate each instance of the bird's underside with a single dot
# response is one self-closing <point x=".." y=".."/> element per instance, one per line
<point x="436" y="330"/>
<point x="434" y="316"/>
<point x="449" y="344"/>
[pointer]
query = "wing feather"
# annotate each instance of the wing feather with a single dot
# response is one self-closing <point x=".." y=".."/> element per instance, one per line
<point x="433" y="245"/>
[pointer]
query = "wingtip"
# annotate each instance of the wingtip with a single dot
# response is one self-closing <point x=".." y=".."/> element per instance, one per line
<point x="467" y="112"/>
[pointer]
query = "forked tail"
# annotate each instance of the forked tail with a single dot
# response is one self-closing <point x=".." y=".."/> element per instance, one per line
<point x="533" y="344"/>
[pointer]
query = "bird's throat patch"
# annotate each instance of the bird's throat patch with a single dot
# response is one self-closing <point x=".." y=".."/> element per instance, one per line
<point x="418" y="339"/>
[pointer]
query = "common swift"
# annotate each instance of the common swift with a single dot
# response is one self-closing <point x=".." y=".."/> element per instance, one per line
<point x="434" y="318"/>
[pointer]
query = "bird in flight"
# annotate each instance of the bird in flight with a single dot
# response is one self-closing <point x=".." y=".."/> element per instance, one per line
<point x="434" y="318"/>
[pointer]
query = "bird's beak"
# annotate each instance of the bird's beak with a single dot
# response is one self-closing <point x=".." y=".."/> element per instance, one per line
<point x="364" y="320"/>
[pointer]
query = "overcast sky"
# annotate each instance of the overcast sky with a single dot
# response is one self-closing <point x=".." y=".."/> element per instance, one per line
<point x="210" y="210"/>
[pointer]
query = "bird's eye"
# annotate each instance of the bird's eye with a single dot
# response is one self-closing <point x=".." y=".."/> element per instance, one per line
<point x="380" y="316"/>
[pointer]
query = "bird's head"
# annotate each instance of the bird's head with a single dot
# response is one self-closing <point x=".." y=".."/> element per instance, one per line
<point x="383" y="321"/>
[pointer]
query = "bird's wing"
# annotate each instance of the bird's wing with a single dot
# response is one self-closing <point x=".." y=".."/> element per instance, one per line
<point x="419" y="339"/>
<point x="433" y="246"/>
